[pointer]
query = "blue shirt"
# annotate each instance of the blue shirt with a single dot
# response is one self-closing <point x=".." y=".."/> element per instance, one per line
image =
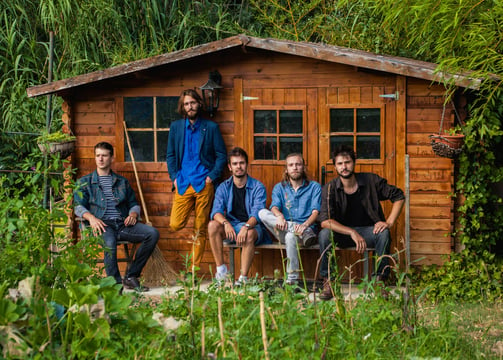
<point x="297" y="205"/>
<point x="192" y="171"/>
<point x="254" y="199"/>
<point x="212" y="151"/>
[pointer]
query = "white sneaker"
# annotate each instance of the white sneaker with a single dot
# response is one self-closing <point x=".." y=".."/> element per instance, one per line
<point x="241" y="281"/>
<point x="220" y="276"/>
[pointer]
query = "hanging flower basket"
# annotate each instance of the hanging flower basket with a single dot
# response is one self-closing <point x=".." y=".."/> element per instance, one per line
<point x="449" y="146"/>
<point x="63" y="149"/>
<point x="57" y="143"/>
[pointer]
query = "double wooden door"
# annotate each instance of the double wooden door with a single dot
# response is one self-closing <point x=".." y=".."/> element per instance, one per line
<point x="312" y="121"/>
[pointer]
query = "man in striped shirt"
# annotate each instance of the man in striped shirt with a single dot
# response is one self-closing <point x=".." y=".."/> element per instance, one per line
<point x="108" y="203"/>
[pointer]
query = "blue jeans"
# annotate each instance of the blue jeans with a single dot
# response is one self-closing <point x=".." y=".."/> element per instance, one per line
<point x="138" y="233"/>
<point x="381" y="242"/>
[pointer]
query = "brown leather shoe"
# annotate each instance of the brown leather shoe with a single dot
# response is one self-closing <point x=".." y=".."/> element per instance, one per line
<point x="381" y="286"/>
<point x="326" y="294"/>
<point x="133" y="283"/>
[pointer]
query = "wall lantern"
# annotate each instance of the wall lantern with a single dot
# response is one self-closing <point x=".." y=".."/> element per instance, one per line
<point x="211" y="92"/>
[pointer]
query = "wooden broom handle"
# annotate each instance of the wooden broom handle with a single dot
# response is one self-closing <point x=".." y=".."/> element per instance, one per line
<point x="147" y="221"/>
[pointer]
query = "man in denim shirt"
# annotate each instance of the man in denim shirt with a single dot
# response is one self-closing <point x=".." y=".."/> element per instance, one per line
<point x="235" y="215"/>
<point x="108" y="203"/>
<point x="294" y="208"/>
<point x="351" y="214"/>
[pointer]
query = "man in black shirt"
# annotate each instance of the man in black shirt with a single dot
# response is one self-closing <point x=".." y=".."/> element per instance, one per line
<point x="351" y="214"/>
<point x="235" y="215"/>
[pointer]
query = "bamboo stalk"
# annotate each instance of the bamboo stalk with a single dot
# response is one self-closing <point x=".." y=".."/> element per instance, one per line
<point x="203" y="350"/>
<point x="221" y="325"/>
<point x="262" y="324"/>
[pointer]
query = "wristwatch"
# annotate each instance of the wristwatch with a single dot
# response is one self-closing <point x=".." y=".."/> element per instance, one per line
<point x="247" y="225"/>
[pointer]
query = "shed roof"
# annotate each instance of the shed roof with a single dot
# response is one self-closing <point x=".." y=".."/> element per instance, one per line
<point x="330" y="53"/>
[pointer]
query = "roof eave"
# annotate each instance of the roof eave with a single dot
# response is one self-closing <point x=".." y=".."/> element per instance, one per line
<point x="329" y="53"/>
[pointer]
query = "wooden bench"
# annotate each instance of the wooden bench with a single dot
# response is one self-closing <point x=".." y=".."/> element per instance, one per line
<point x="278" y="246"/>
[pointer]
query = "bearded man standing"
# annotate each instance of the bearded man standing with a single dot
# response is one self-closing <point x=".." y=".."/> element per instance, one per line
<point x="196" y="156"/>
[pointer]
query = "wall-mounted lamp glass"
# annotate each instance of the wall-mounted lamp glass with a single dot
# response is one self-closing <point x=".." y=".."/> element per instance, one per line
<point x="211" y="92"/>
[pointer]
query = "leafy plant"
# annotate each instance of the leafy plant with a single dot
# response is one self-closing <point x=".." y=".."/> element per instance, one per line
<point x="57" y="136"/>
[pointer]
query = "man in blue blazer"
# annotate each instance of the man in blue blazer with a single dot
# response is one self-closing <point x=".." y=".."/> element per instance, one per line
<point x="196" y="157"/>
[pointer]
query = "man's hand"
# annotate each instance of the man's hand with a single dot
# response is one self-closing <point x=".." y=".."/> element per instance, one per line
<point x="242" y="235"/>
<point x="380" y="227"/>
<point x="360" y="243"/>
<point x="229" y="231"/>
<point x="131" y="219"/>
<point x="96" y="224"/>
<point x="299" y="229"/>
<point x="281" y="223"/>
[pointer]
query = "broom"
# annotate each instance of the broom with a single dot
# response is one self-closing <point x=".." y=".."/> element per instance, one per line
<point x="157" y="271"/>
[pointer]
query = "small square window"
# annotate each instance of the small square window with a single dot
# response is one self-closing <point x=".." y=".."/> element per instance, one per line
<point x="359" y="128"/>
<point x="148" y="126"/>
<point x="273" y="133"/>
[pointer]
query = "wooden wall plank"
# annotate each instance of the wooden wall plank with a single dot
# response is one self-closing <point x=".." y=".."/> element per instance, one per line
<point x="430" y="224"/>
<point x="431" y="200"/>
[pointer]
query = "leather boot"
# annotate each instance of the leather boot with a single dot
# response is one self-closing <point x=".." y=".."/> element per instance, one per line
<point x="326" y="294"/>
<point x="381" y="286"/>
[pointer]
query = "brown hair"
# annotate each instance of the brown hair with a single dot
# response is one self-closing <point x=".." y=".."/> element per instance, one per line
<point x="193" y="94"/>
<point x="237" y="151"/>
<point x="285" y="180"/>
<point x="344" y="150"/>
<point x="105" y="146"/>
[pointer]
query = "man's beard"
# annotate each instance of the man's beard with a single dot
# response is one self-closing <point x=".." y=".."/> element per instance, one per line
<point x="346" y="176"/>
<point x="296" y="176"/>
<point x="193" y="117"/>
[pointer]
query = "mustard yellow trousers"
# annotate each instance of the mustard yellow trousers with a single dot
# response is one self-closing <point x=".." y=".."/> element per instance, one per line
<point x="201" y="203"/>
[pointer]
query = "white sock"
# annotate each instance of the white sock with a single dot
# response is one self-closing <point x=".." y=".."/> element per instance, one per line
<point x="243" y="278"/>
<point x="222" y="269"/>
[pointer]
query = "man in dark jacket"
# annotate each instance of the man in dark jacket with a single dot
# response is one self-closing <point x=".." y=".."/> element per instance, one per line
<point x="351" y="214"/>
<point x="108" y="203"/>
<point x="196" y="157"/>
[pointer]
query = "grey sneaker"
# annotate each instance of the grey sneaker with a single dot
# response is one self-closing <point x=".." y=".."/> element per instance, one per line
<point x="309" y="238"/>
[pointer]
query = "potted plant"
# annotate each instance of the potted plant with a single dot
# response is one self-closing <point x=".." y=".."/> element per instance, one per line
<point x="56" y="143"/>
<point x="450" y="144"/>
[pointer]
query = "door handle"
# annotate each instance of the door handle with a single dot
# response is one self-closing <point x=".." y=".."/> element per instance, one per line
<point x="324" y="173"/>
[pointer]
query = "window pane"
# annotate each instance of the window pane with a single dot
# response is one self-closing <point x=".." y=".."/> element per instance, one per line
<point x="341" y="120"/>
<point x="368" y="147"/>
<point x="142" y="143"/>
<point x="340" y="140"/>
<point x="167" y="111"/>
<point x="290" y="121"/>
<point x="265" y="148"/>
<point x="288" y="145"/>
<point x="264" y="121"/>
<point x="368" y="120"/>
<point x="162" y="145"/>
<point x="139" y="112"/>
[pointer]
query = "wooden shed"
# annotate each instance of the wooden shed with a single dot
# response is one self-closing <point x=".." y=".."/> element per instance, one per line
<point x="278" y="96"/>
